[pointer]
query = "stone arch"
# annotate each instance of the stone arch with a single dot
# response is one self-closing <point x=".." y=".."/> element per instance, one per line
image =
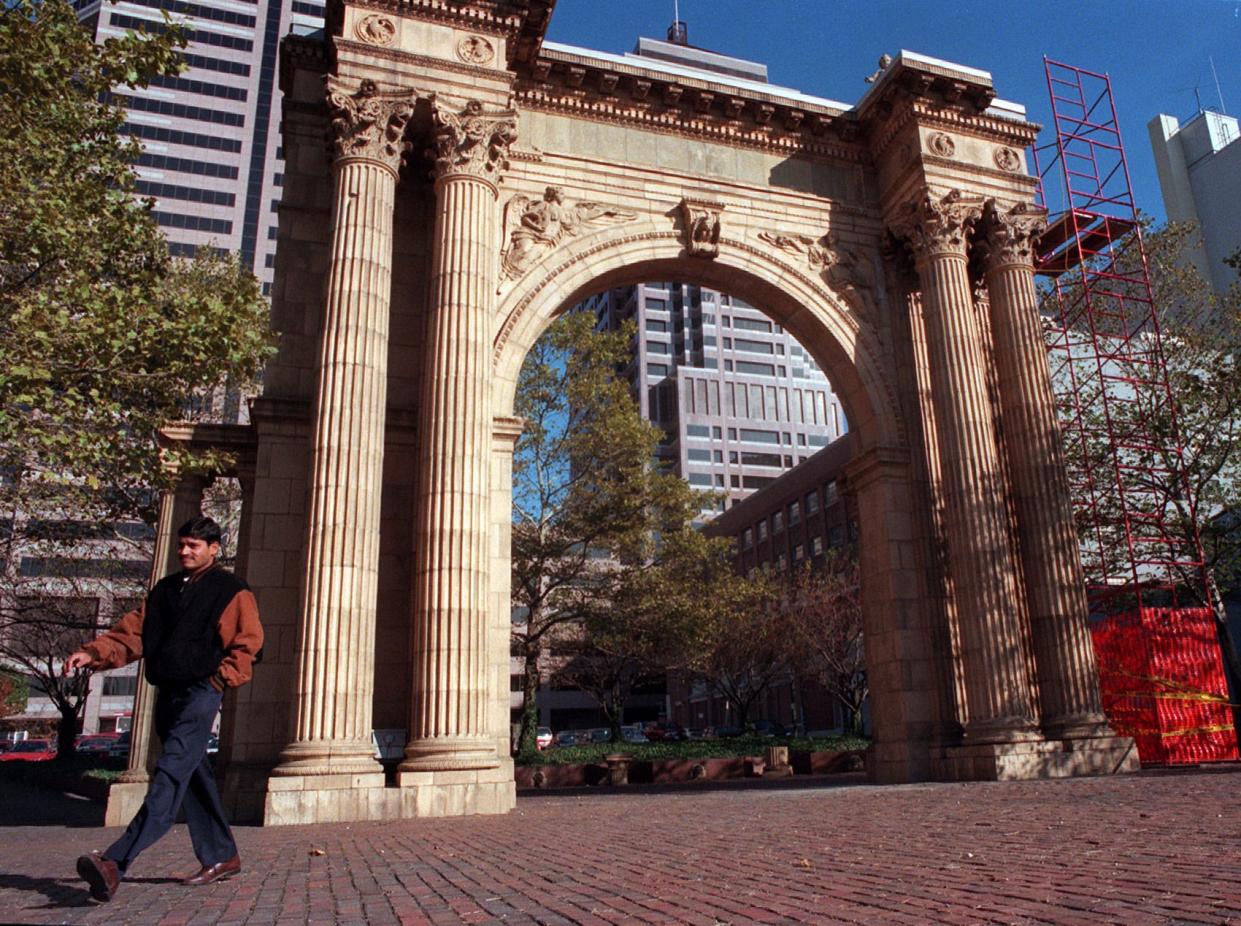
<point x="846" y="347"/>
<point x="904" y="676"/>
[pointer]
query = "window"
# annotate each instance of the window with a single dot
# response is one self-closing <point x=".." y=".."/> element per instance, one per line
<point x="654" y="324"/>
<point x="777" y="522"/>
<point x="816" y="546"/>
<point x="697" y="430"/>
<point x="794" y="513"/>
<point x="700" y="479"/>
<point x="754" y="347"/>
<point x="762" y="529"/>
<point x="757" y="436"/>
<point x="747" y="539"/>
<point x="119" y="685"/>
<point x="812" y="503"/>
<point x="799" y="553"/>
<point x="760" y="459"/>
<point x="717" y="456"/>
<point x="699" y="456"/>
<point x="830" y="493"/>
<point x="656" y="369"/>
<point x="754" y="369"/>
<point x="716" y="432"/>
<point x="751" y="324"/>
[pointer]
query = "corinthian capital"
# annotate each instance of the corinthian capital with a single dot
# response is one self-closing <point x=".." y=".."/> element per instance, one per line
<point x="1010" y="237"/>
<point x="938" y="226"/>
<point x="369" y="123"/>
<point x="473" y="141"/>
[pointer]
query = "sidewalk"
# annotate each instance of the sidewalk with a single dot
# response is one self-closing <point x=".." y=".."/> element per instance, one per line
<point x="1146" y="849"/>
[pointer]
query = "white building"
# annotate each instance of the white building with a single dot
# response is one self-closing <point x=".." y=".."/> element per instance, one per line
<point x="1200" y="175"/>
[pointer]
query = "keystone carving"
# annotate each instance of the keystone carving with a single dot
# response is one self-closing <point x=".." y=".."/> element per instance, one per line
<point x="938" y="226"/>
<point x="1010" y="237"/>
<point x="539" y="225"/>
<point x="844" y="268"/>
<point x="702" y="227"/>
<point x="473" y="141"/>
<point x="369" y="123"/>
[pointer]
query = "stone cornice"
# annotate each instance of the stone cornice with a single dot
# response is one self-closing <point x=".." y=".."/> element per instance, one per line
<point x="676" y="109"/>
<point x="398" y="56"/>
<point x="302" y="53"/>
<point x="521" y="22"/>
<point x="928" y="114"/>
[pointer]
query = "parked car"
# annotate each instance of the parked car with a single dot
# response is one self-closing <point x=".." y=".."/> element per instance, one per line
<point x="543" y="737"/>
<point x="664" y="731"/>
<point x="633" y="736"/>
<point x="566" y="738"/>
<point x="695" y="733"/>
<point x="120" y="746"/>
<point x="95" y="744"/>
<point x="31" y="751"/>
<point x="601" y="735"/>
<point x="727" y="731"/>
<point x="769" y="728"/>
<point x="5" y="746"/>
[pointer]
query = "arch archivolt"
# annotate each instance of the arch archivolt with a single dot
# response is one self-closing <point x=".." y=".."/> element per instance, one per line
<point x="844" y="341"/>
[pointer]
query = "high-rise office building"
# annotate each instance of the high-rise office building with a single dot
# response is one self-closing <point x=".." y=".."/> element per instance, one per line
<point x="211" y="135"/>
<point x="1199" y="167"/>
<point x="739" y="399"/>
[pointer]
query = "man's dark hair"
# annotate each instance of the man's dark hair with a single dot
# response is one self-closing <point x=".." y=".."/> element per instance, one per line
<point x="201" y="528"/>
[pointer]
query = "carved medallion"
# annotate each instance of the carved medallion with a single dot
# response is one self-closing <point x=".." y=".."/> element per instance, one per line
<point x="534" y="227"/>
<point x="701" y="227"/>
<point x="474" y="49"/>
<point x="376" y="30"/>
<point x="844" y="268"/>
<point x="368" y="122"/>
<point x="1007" y="159"/>
<point x="941" y="144"/>
<point x="473" y="141"/>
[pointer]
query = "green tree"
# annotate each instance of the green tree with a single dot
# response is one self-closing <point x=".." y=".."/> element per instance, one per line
<point x="14" y="692"/>
<point x="587" y="500"/>
<point x="104" y="338"/>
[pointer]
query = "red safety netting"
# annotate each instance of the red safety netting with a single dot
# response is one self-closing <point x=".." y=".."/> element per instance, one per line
<point x="1162" y="681"/>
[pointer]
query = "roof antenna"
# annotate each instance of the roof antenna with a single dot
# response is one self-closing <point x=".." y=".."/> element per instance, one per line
<point x="1222" y="110"/>
<point x="678" y="32"/>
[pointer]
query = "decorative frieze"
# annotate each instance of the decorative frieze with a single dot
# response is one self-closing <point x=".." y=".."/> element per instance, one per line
<point x="941" y="144"/>
<point x="701" y="227"/>
<point x="474" y="49"/>
<point x="369" y="123"/>
<point x="1006" y="159"/>
<point x="473" y="141"/>
<point x="376" y="30"/>
<point x="845" y="268"/>
<point x="533" y="227"/>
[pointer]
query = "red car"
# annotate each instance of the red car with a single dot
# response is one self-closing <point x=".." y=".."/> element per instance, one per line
<point x="30" y="751"/>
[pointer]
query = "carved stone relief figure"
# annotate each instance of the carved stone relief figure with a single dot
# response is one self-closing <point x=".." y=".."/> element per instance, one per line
<point x="368" y="122"/>
<point x="845" y="268"/>
<point x="539" y="225"/>
<point x="702" y="227"/>
<point x="473" y="141"/>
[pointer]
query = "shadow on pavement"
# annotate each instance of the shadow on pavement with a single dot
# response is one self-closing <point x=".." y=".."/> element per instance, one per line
<point x="24" y="804"/>
<point x="60" y="892"/>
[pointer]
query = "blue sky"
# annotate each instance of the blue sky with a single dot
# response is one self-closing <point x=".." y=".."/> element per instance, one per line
<point x="1155" y="51"/>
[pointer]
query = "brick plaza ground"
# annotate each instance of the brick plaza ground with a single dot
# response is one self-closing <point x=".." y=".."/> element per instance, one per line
<point x="1152" y="848"/>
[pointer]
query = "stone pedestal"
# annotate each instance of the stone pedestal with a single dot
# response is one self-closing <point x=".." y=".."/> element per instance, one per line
<point x="1070" y="758"/>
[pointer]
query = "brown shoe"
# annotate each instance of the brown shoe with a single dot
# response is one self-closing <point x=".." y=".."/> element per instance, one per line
<point x="218" y="872"/>
<point x="101" y="874"/>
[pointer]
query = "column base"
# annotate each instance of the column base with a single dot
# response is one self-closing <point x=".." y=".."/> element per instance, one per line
<point x="1000" y="731"/>
<point x="124" y="799"/>
<point x="1084" y="726"/>
<point x="449" y="754"/>
<point x="293" y="801"/>
<point x="1067" y="758"/>
<point x="329" y="758"/>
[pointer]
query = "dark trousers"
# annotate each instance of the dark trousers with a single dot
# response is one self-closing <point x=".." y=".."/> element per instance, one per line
<point x="182" y="777"/>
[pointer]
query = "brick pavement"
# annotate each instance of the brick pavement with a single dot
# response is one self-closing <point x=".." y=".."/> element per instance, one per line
<point x="1155" y="848"/>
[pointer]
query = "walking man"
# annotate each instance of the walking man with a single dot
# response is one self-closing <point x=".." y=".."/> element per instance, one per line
<point x="199" y="633"/>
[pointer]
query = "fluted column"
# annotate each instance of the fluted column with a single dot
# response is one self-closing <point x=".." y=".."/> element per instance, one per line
<point x="450" y="607"/>
<point x="175" y="508"/>
<point x="336" y="633"/>
<point x="1068" y="679"/>
<point x="980" y="559"/>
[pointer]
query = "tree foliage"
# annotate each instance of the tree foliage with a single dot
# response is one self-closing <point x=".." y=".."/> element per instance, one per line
<point x="822" y="611"/>
<point x="104" y="337"/>
<point x="586" y="498"/>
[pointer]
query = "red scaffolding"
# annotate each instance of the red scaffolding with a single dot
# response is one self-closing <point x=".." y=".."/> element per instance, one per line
<point x="1161" y="674"/>
<point x="1107" y="357"/>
